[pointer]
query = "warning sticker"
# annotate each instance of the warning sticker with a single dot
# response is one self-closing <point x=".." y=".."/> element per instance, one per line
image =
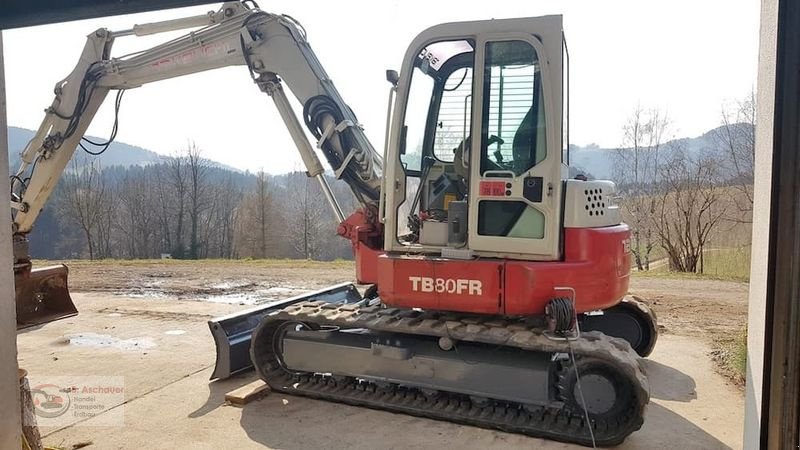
<point x="492" y="188"/>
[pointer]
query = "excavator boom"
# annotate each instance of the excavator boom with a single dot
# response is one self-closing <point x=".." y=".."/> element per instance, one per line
<point x="274" y="49"/>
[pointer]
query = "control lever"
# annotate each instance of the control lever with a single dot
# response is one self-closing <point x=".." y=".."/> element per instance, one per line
<point x="413" y="219"/>
<point x="493" y="139"/>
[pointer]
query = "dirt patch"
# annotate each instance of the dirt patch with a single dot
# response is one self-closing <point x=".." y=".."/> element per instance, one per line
<point x="218" y="281"/>
<point x="712" y="310"/>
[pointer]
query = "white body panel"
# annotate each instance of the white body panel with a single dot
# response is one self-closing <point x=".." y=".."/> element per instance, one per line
<point x="590" y="204"/>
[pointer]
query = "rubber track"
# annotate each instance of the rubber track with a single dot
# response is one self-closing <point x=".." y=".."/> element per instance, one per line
<point x="555" y="421"/>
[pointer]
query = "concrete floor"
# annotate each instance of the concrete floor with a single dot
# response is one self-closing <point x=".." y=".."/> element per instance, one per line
<point x="170" y="403"/>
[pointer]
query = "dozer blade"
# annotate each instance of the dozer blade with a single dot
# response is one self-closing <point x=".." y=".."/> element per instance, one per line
<point x="42" y="296"/>
<point x="232" y="333"/>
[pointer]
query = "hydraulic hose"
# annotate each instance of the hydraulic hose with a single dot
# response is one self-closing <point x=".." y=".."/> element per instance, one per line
<point x="315" y="112"/>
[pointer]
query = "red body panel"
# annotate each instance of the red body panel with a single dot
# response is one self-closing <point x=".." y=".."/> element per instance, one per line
<point x="366" y="263"/>
<point x="366" y="236"/>
<point x="441" y="284"/>
<point x="596" y="264"/>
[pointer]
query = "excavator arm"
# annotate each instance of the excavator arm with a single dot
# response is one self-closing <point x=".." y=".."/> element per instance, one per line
<point x="274" y="49"/>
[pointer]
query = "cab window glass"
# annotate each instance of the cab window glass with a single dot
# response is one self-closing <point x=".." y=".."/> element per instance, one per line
<point x="419" y="131"/>
<point x="419" y="100"/>
<point x="513" y="137"/>
<point x="455" y="107"/>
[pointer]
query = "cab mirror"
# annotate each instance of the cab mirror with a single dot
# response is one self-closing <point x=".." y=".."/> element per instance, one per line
<point x="392" y="77"/>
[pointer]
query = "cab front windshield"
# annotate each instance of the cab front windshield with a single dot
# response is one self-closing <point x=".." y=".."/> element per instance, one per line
<point x="436" y="131"/>
<point x="442" y="78"/>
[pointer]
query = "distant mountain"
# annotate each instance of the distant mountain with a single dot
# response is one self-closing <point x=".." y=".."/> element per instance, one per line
<point x="594" y="161"/>
<point x="118" y="153"/>
<point x="599" y="162"/>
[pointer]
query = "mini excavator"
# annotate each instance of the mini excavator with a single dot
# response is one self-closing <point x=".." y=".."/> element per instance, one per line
<point x="495" y="278"/>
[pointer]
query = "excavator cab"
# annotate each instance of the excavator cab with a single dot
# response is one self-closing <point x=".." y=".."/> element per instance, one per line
<point x="475" y="149"/>
<point x="480" y="214"/>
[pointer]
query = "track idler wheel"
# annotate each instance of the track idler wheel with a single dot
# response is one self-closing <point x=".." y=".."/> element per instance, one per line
<point x="602" y="393"/>
<point x="631" y="319"/>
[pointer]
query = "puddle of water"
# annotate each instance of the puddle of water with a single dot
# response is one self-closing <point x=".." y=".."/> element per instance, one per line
<point x="234" y="299"/>
<point x="142" y="294"/>
<point x="105" y="341"/>
<point x="241" y="292"/>
<point x="230" y="285"/>
<point x="175" y="332"/>
<point x="254" y="298"/>
<point x="283" y="290"/>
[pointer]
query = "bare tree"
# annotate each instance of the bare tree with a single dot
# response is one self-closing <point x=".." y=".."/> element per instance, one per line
<point x="134" y="219"/>
<point x="85" y="201"/>
<point x="689" y="208"/>
<point x="164" y="206"/>
<point x="307" y="219"/>
<point x="177" y="178"/>
<point x="185" y="203"/>
<point x="105" y="221"/>
<point x="263" y="206"/>
<point x="198" y="170"/>
<point x="736" y="139"/>
<point x="637" y="174"/>
<point x="227" y="197"/>
<point x="260" y="225"/>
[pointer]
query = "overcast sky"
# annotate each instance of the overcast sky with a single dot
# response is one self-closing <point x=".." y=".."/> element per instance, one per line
<point x="685" y="57"/>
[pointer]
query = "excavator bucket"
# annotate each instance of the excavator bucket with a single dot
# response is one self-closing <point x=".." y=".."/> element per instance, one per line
<point x="42" y="296"/>
<point x="232" y="333"/>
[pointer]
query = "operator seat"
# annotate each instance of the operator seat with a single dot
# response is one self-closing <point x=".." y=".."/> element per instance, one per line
<point x="523" y="147"/>
<point x="461" y="159"/>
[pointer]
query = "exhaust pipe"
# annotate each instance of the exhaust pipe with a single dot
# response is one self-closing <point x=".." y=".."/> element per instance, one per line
<point x="42" y="295"/>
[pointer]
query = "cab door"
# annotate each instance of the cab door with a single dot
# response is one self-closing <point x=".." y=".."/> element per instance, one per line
<point x="515" y="165"/>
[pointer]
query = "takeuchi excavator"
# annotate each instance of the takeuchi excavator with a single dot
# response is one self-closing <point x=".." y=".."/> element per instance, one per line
<point x="491" y="279"/>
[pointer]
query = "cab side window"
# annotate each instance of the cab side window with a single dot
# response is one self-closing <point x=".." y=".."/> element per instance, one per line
<point x="513" y="137"/>
<point x="455" y="108"/>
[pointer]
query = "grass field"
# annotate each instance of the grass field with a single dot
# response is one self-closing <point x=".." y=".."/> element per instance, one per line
<point x="730" y="354"/>
<point x="728" y="263"/>
<point x="718" y="263"/>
